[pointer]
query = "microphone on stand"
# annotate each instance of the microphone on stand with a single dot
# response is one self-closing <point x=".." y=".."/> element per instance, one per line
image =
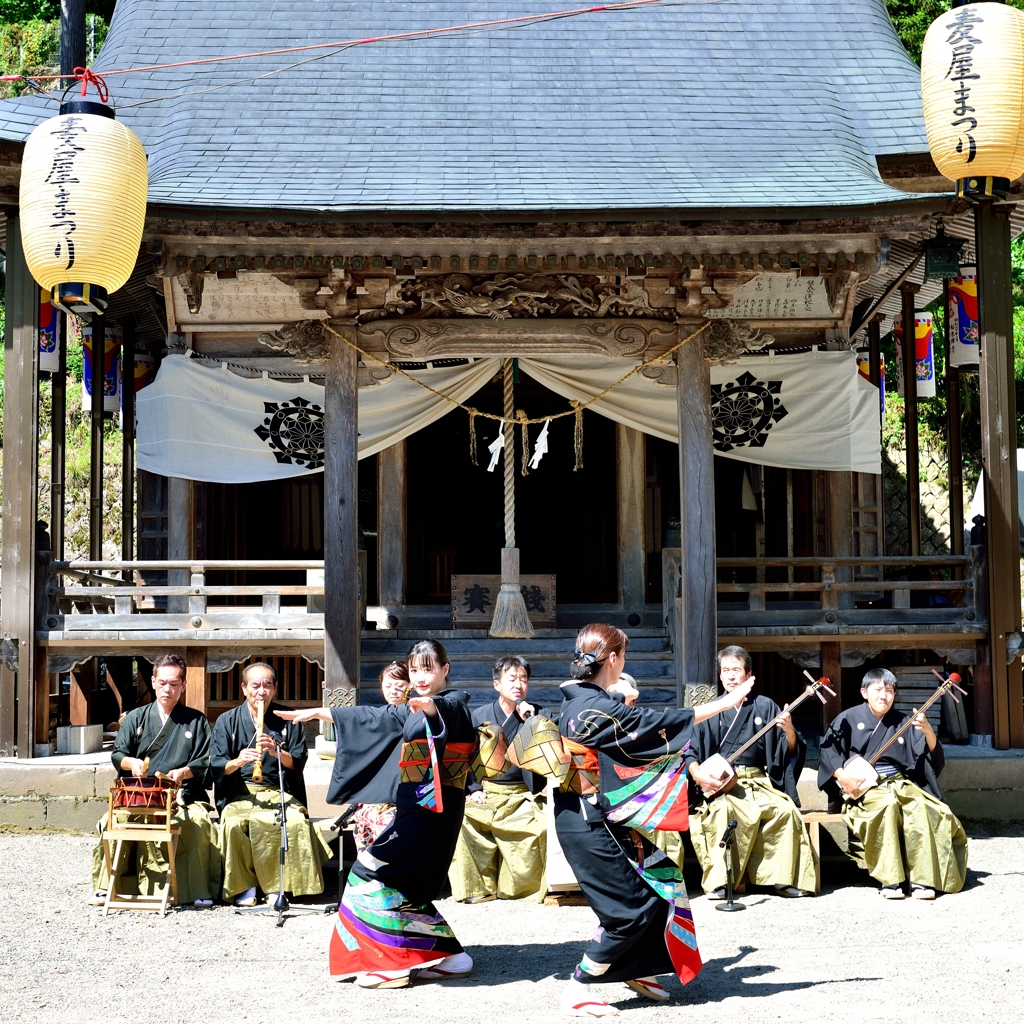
<point x="728" y="833"/>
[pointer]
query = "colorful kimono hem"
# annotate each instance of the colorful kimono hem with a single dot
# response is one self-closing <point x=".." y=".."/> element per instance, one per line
<point x="376" y="930"/>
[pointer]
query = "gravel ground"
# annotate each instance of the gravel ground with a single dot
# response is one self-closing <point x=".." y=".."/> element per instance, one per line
<point x="847" y="956"/>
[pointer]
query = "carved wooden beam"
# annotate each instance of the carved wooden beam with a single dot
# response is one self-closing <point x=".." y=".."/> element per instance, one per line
<point x="438" y="339"/>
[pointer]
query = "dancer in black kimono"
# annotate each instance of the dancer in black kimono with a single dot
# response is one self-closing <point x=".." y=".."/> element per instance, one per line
<point x="628" y="772"/>
<point x="387" y="923"/>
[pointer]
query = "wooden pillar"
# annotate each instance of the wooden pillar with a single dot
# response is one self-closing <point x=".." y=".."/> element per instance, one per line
<point x="58" y="439"/>
<point x="954" y="442"/>
<point x="195" y="678"/>
<point x="840" y="528"/>
<point x="99" y="355"/>
<point x="341" y="531"/>
<point x="875" y="352"/>
<point x="128" y="444"/>
<point x="391" y="527"/>
<point x="697" y="622"/>
<point x="181" y="537"/>
<point x="80" y="697"/>
<point x="908" y="291"/>
<point x="20" y="465"/>
<point x="631" y="454"/>
<point x="999" y="461"/>
<point x="832" y="669"/>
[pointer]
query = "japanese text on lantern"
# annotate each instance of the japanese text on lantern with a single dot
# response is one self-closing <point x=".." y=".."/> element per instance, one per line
<point x="62" y="174"/>
<point x="962" y="71"/>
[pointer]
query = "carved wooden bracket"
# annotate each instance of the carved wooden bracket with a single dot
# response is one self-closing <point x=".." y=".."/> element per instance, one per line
<point x="306" y="340"/>
<point x="726" y="340"/>
<point x="439" y="339"/>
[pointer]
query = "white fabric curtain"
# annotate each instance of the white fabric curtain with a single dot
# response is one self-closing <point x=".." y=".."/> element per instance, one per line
<point x="810" y="410"/>
<point x="805" y="411"/>
<point x="202" y="422"/>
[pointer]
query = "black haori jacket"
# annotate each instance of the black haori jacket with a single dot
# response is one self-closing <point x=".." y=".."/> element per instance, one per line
<point x="857" y="731"/>
<point x="234" y="731"/>
<point x="723" y="734"/>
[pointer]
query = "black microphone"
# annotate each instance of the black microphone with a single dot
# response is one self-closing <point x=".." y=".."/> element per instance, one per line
<point x="523" y="700"/>
<point x="727" y="834"/>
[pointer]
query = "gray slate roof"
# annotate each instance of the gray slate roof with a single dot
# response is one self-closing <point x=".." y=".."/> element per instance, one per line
<point x="737" y="103"/>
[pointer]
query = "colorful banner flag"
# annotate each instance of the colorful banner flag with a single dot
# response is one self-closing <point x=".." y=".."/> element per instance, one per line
<point x="924" y="354"/>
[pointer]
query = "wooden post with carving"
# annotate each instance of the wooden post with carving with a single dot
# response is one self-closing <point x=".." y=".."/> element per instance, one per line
<point x="631" y="453"/>
<point x="341" y="531"/>
<point x="697" y="625"/>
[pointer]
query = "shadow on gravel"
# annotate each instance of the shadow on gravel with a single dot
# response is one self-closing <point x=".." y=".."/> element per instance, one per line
<point x="721" y="978"/>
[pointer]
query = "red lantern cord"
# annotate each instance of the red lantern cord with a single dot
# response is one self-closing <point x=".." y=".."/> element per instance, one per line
<point x="87" y="76"/>
<point x="393" y="37"/>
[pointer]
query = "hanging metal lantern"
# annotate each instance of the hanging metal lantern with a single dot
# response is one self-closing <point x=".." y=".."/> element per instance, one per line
<point x="972" y="88"/>
<point x="924" y="354"/>
<point x="84" y="184"/>
<point x="942" y="255"/>
<point x="963" y="319"/>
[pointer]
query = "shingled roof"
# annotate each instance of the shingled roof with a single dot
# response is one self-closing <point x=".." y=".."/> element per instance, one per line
<point x="687" y="106"/>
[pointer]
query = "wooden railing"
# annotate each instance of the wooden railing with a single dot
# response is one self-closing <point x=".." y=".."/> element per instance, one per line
<point x="833" y="595"/>
<point x="126" y="596"/>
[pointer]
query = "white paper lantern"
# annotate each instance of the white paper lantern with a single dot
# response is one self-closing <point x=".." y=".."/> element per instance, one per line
<point x="972" y="89"/>
<point x="84" y="184"/>
<point x="924" y="352"/>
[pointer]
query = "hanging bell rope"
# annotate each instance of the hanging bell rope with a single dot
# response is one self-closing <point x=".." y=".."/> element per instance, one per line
<point x="510" y="619"/>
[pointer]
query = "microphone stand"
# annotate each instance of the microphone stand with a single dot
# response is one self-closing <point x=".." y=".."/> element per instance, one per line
<point x="281" y="904"/>
<point x="730" y="905"/>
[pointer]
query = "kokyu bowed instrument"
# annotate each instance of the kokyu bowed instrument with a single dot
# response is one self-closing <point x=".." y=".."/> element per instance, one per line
<point x="721" y="768"/>
<point x="863" y="768"/>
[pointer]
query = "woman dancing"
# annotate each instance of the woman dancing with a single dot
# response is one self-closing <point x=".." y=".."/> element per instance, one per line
<point x="387" y="923"/>
<point x="628" y="773"/>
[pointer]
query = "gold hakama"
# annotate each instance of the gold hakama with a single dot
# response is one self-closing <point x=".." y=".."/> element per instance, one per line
<point x="502" y="846"/>
<point x="197" y="859"/>
<point x="251" y="842"/>
<point x="903" y="832"/>
<point x="770" y="845"/>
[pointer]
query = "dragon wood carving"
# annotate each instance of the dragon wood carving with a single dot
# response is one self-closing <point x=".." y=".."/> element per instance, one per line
<point x="508" y="296"/>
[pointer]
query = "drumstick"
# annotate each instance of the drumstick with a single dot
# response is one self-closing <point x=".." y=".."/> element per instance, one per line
<point x="145" y="766"/>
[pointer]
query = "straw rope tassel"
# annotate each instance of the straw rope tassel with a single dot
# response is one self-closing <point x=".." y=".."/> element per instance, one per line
<point x="510" y="619"/>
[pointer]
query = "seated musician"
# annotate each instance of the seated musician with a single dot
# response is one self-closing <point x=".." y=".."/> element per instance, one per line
<point x="502" y="845"/>
<point x="905" y="836"/>
<point x="169" y="738"/>
<point x="770" y="845"/>
<point x="250" y="831"/>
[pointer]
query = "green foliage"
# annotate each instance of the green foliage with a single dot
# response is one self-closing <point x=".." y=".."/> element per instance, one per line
<point x="49" y="10"/>
<point x="911" y="19"/>
<point x="28" y="48"/>
<point x="30" y="37"/>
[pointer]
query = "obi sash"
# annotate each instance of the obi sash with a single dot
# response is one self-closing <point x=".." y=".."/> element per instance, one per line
<point x="653" y="795"/>
<point x="420" y="764"/>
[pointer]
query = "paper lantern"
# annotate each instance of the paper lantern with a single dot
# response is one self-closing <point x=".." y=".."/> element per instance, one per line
<point x="111" y="370"/>
<point x="145" y="372"/>
<point x="49" y="339"/>
<point x="963" y="319"/>
<point x="84" y="183"/>
<point x="972" y="88"/>
<point x="924" y="353"/>
<point x="864" y="369"/>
